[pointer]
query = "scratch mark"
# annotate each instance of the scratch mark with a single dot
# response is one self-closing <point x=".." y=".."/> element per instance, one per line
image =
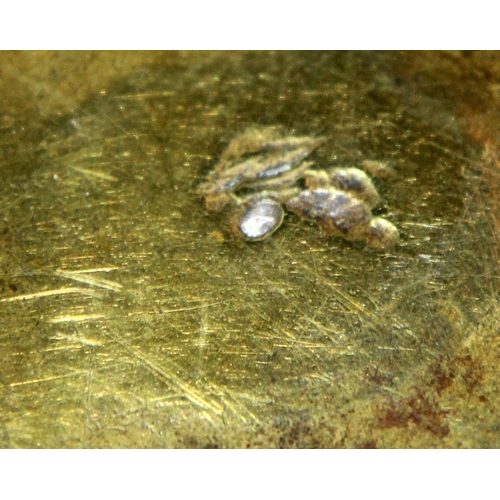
<point x="47" y="379"/>
<point x="343" y="298"/>
<point x="49" y="293"/>
<point x="389" y="348"/>
<point x="186" y="389"/>
<point x="203" y="321"/>
<point x="322" y="328"/>
<point x="324" y="377"/>
<point x="97" y="282"/>
<point x="90" y="377"/>
<point x="92" y="270"/>
<point x="163" y="93"/>
<point x="80" y="340"/>
<point x="76" y="318"/>
<point x="208" y="417"/>
<point x="202" y="306"/>
<point x="95" y="173"/>
<point x="239" y="409"/>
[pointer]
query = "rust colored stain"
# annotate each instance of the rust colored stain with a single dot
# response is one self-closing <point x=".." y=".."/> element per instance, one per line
<point x="462" y="369"/>
<point x="483" y="129"/>
<point x="418" y="409"/>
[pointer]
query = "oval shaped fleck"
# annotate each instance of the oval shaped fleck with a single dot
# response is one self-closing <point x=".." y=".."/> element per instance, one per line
<point x="260" y="219"/>
<point x="310" y="204"/>
<point x="347" y="216"/>
<point x="336" y="212"/>
<point x="382" y="234"/>
<point x="357" y="183"/>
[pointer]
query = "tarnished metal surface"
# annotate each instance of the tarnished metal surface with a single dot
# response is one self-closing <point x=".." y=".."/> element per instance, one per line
<point x="131" y="318"/>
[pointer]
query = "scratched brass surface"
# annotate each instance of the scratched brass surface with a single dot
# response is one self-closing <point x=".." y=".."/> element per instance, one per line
<point x="129" y="318"/>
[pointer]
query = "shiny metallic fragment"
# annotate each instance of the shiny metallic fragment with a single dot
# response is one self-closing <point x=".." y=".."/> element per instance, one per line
<point x="260" y="219"/>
